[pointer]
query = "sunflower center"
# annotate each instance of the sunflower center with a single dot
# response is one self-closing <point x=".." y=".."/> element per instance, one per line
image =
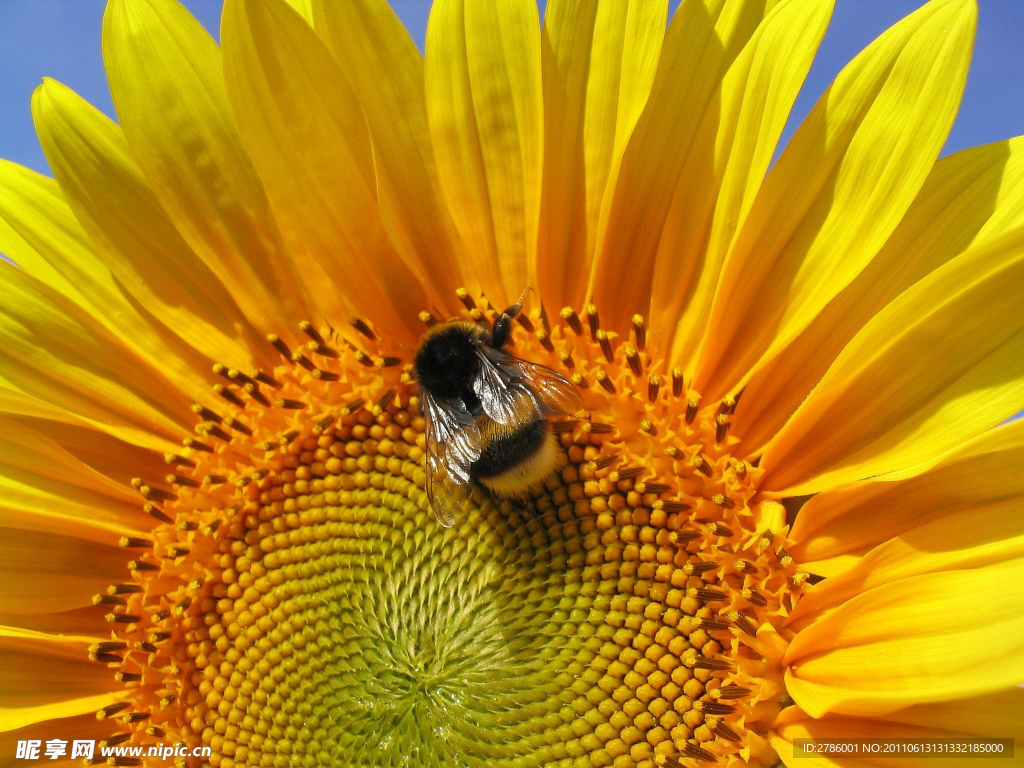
<point x="298" y="603"/>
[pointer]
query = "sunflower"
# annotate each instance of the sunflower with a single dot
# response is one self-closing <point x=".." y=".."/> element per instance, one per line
<point x="788" y="508"/>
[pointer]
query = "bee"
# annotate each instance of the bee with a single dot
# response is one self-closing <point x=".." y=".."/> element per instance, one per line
<point x="487" y="413"/>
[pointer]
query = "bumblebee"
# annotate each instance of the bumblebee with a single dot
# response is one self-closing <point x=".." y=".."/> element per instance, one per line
<point x="487" y="413"/>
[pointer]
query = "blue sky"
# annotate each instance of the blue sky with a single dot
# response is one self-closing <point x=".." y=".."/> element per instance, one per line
<point x="61" y="39"/>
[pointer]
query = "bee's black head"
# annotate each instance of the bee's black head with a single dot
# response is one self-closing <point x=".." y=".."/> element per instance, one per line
<point x="446" y="362"/>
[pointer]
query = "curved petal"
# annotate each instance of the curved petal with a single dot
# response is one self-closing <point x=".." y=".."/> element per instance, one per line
<point x="116" y="207"/>
<point x="702" y="42"/>
<point x="968" y="199"/>
<point x="53" y="350"/>
<point x="168" y="88"/>
<point x="116" y="458"/>
<point x="56" y="250"/>
<point x="304" y="8"/>
<point x="76" y="621"/>
<point x="844" y="523"/>
<point x="624" y="58"/>
<point x="100" y="451"/>
<point x="15" y="248"/>
<point x="993" y="715"/>
<point x="996" y="716"/>
<point x="385" y="69"/>
<point x="939" y="365"/>
<point x="968" y="539"/>
<point x="724" y="171"/>
<point x="82" y="709"/>
<point x="44" y="488"/>
<point x="46" y="572"/>
<point x="838" y="191"/>
<point x="48" y="677"/>
<point x="28" y="406"/>
<point x="93" y="444"/>
<point x="66" y="727"/>
<point x="306" y="134"/>
<point x="486" y="116"/>
<point x="928" y="638"/>
<point x="562" y="240"/>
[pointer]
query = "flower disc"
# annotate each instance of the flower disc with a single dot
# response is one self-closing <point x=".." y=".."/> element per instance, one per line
<point x="299" y="603"/>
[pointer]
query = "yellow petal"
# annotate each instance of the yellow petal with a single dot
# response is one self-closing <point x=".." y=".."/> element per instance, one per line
<point x="304" y="8"/>
<point x="45" y="488"/>
<point x="57" y="251"/>
<point x="111" y="198"/>
<point x="838" y="191"/>
<point x="624" y="57"/>
<point x="993" y="715"/>
<point x="599" y="61"/>
<point x="784" y="749"/>
<point x="48" y="677"/>
<point x="101" y="451"/>
<point x="310" y="145"/>
<point x="385" y="69"/>
<point x="562" y="239"/>
<point x="968" y="539"/>
<point x="77" y="621"/>
<point x="43" y="572"/>
<point x="725" y="168"/>
<point x="485" y="111"/>
<point x="996" y="715"/>
<point x="928" y="638"/>
<point x="702" y="41"/>
<point x="29" y="406"/>
<point x="939" y="365"/>
<point x="167" y="85"/>
<point x="968" y="199"/>
<point x="82" y="708"/>
<point x="53" y="350"/>
<point x="852" y="520"/>
<point x="68" y="728"/>
<point x="16" y="248"/>
<point x="783" y="745"/>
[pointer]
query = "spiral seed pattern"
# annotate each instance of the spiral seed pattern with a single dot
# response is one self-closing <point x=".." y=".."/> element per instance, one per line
<point x="297" y="604"/>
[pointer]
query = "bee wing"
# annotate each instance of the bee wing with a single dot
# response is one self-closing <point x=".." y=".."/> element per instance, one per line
<point x="453" y="444"/>
<point x="500" y="387"/>
<point x="549" y="390"/>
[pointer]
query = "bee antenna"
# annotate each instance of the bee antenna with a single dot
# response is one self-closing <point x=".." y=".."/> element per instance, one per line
<point x="515" y="308"/>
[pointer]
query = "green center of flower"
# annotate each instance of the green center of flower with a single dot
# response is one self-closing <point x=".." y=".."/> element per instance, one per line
<point x="299" y="605"/>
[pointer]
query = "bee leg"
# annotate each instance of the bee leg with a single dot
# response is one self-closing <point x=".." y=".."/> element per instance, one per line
<point x="502" y="329"/>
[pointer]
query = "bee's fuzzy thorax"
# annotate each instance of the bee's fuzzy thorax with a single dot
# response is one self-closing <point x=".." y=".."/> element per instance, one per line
<point x="446" y="361"/>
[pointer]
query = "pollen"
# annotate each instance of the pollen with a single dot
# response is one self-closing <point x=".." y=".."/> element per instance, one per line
<point x="297" y="603"/>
